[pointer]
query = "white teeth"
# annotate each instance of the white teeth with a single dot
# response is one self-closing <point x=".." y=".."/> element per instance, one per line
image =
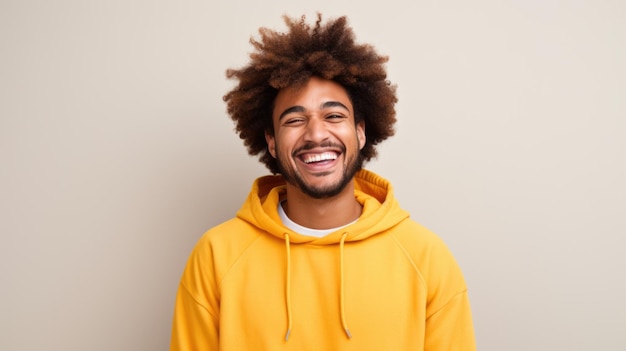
<point x="319" y="157"/>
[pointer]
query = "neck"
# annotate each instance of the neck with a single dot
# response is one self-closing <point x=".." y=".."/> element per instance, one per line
<point x="325" y="213"/>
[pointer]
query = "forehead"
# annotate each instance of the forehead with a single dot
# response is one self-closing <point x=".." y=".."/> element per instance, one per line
<point x="311" y="95"/>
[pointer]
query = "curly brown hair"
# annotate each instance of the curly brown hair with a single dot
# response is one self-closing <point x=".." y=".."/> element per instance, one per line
<point x="328" y="51"/>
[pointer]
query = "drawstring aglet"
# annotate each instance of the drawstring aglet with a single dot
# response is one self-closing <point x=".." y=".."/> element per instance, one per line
<point x="348" y="333"/>
<point x="287" y="335"/>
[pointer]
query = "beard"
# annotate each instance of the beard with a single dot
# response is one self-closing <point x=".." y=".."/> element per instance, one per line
<point x="352" y="166"/>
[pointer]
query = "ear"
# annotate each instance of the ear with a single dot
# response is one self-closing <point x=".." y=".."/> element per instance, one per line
<point x="271" y="143"/>
<point x="360" y="134"/>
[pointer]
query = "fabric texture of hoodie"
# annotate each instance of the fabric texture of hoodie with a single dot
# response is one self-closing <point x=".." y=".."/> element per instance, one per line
<point x="381" y="283"/>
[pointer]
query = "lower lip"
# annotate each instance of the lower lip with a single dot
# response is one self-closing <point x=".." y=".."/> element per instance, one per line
<point x="320" y="166"/>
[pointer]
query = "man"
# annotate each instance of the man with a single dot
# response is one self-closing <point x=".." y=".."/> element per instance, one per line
<point x="321" y="256"/>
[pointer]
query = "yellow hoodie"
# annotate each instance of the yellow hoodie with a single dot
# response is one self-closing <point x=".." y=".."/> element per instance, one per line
<point x="381" y="283"/>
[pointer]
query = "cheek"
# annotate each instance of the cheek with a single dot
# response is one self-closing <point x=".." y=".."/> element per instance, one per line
<point x="353" y="137"/>
<point x="285" y="142"/>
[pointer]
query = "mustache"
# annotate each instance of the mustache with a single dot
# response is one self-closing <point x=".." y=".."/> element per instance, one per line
<point x="310" y="145"/>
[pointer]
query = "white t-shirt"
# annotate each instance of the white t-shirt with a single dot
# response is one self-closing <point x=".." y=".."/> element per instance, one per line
<point x="304" y="230"/>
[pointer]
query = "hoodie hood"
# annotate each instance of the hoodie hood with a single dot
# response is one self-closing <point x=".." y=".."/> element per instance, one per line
<point x="381" y="210"/>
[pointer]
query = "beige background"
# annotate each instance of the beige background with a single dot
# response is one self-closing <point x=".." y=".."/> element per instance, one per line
<point x="116" y="155"/>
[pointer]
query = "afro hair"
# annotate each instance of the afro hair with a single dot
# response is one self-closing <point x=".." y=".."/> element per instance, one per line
<point x="328" y="51"/>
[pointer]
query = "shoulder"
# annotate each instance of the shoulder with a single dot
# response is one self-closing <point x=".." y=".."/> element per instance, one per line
<point x="221" y="245"/>
<point x="234" y="234"/>
<point x="430" y="255"/>
<point x="415" y="237"/>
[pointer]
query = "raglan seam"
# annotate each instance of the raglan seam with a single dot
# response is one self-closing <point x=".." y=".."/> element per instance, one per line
<point x="197" y="301"/>
<point x="464" y="291"/>
<point x="421" y="277"/>
<point x="410" y="259"/>
<point x="241" y="254"/>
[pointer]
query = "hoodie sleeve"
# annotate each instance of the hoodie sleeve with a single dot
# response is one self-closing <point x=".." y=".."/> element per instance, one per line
<point x="449" y="325"/>
<point x="451" y="328"/>
<point x="195" y="323"/>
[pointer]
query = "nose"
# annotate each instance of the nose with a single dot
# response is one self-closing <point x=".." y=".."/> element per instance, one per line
<point x="316" y="130"/>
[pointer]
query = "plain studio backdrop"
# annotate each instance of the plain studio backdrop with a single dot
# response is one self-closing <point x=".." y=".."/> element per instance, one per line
<point x="117" y="154"/>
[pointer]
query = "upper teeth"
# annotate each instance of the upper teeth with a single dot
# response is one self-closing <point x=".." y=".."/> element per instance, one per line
<point x="320" y="157"/>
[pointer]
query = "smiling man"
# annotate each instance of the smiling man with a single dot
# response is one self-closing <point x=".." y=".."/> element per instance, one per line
<point x="320" y="256"/>
<point x="316" y="143"/>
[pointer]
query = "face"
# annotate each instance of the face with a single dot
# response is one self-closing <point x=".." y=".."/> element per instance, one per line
<point x="316" y="142"/>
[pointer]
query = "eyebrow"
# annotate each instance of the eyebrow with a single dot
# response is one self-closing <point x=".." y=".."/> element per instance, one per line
<point x="298" y="108"/>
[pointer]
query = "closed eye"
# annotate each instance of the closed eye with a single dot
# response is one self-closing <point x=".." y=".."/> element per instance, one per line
<point x="335" y="117"/>
<point x="294" y="121"/>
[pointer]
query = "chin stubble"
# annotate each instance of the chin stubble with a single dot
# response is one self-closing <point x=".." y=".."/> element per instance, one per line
<point x="353" y="166"/>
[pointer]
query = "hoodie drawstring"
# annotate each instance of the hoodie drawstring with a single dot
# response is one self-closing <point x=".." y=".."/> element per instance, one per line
<point x="344" y="324"/>
<point x="341" y="298"/>
<point x="288" y="287"/>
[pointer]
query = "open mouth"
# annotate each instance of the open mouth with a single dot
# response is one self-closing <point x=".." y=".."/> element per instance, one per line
<point x="310" y="158"/>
